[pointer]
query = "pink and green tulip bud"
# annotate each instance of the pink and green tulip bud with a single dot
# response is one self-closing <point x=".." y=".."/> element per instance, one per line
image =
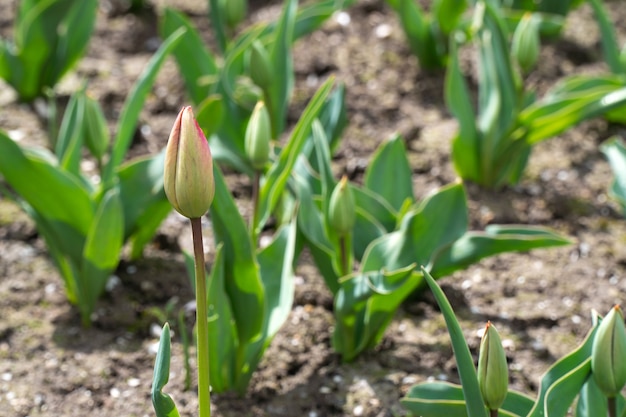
<point x="526" y="43"/>
<point x="188" y="174"/>
<point x="493" y="372"/>
<point x="260" y="67"/>
<point x="342" y="208"/>
<point x="258" y="135"/>
<point x="608" y="354"/>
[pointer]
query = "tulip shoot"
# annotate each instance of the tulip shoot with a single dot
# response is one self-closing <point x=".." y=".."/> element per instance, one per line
<point x="493" y="374"/>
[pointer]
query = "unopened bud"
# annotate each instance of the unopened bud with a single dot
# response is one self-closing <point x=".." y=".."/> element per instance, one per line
<point x="493" y="372"/>
<point x="188" y="174"/>
<point x="608" y="353"/>
<point x="234" y="11"/>
<point x="342" y="208"/>
<point x="96" y="129"/>
<point x="526" y="43"/>
<point x="260" y="67"/>
<point x="258" y="135"/>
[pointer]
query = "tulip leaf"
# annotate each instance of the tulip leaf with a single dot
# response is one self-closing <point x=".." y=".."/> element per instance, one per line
<point x="615" y="152"/>
<point x="279" y="92"/>
<point x="564" y="380"/>
<point x="65" y="200"/>
<point x="163" y="404"/>
<point x="591" y="400"/>
<point x="134" y="104"/>
<point x="443" y="399"/>
<point x="194" y="60"/>
<point x="145" y="205"/>
<point x="389" y="173"/>
<point x="223" y="340"/>
<point x="101" y="253"/>
<point x="276" y="179"/>
<point x="474" y="246"/>
<point x="608" y="38"/>
<point x="244" y="285"/>
<point x="465" y="363"/>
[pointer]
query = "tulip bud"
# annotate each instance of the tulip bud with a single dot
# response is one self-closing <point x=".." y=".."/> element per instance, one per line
<point x="341" y="209"/>
<point x="608" y="353"/>
<point x="258" y="135"/>
<point x="493" y="373"/>
<point x="526" y="43"/>
<point x="260" y="67"/>
<point x="234" y="11"/>
<point x="188" y="173"/>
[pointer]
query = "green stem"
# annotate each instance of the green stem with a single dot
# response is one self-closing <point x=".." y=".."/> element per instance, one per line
<point x="612" y="406"/>
<point x="343" y="253"/>
<point x="204" y="385"/>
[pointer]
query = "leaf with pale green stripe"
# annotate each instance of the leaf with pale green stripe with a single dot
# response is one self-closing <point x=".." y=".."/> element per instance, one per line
<point x="163" y="404"/>
<point x="615" y="152"/>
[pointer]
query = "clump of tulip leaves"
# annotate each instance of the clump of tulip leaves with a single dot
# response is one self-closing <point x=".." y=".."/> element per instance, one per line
<point x="591" y="377"/>
<point x="373" y="267"/>
<point x="86" y="218"/>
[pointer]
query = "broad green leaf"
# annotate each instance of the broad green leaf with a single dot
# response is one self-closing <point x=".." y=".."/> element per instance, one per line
<point x="448" y="13"/>
<point x="615" y="152"/>
<point x="443" y="399"/>
<point x="193" y="58"/>
<point x="421" y="236"/>
<point x="419" y="30"/>
<point x="555" y="387"/>
<point x="74" y="34"/>
<point x="223" y="340"/>
<point x="276" y="266"/>
<point x="134" y="104"/>
<point x="30" y="172"/>
<point x="218" y="24"/>
<point x="311" y="16"/>
<point x="101" y="253"/>
<point x="610" y="48"/>
<point x="279" y="92"/>
<point x="474" y="246"/>
<point x="144" y="202"/>
<point x="466" y="144"/>
<point x="163" y="404"/>
<point x="243" y="283"/>
<point x="276" y="179"/>
<point x="389" y="174"/>
<point x="464" y="360"/>
<point x="591" y="401"/>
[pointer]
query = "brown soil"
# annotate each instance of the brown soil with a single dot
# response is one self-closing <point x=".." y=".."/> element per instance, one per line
<point x="541" y="301"/>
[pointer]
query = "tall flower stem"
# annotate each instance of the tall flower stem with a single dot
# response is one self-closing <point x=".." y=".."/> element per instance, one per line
<point x="612" y="406"/>
<point x="343" y="253"/>
<point x="204" y="387"/>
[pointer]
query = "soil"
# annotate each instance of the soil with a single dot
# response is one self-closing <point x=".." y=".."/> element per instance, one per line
<point x="540" y="301"/>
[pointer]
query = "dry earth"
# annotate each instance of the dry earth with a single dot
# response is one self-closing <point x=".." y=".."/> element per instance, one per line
<point x="540" y="301"/>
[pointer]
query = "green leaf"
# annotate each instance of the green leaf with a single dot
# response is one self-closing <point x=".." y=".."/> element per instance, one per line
<point x="163" y="404"/>
<point x="218" y="22"/>
<point x="420" y="236"/>
<point x="448" y="14"/>
<point x="443" y="399"/>
<point x="134" y="103"/>
<point x="464" y="360"/>
<point x="564" y="380"/>
<point x="279" y="92"/>
<point x="30" y="172"/>
<point x="419" y="30"/>
<point x="474" y="246"/>
<point x="144" y="202"/>
<point x="466" y="144"/>
<point x="193" y="58"/>
<point x="223" y="340"/>
<point x="389" y="173"/>
<point x="591" y="401"/>
<point x="243" y="283"/>
<point x="608" y="38"/>
<point x="276" y="179"/>
<point x="69" y="145"/>
<point x="615" y="152"/>
<point x="276" y="266"/>
<point x="101" y="253"/>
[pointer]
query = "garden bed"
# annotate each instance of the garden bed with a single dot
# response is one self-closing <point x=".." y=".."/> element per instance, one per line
<point x="541" y="301"/>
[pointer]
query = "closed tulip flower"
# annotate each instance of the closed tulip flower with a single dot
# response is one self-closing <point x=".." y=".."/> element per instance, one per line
<point x="342" y="208"/>
<point x="188" y="174"/>
<point x="608" y="354"/>
<point x="493" y="373"/>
